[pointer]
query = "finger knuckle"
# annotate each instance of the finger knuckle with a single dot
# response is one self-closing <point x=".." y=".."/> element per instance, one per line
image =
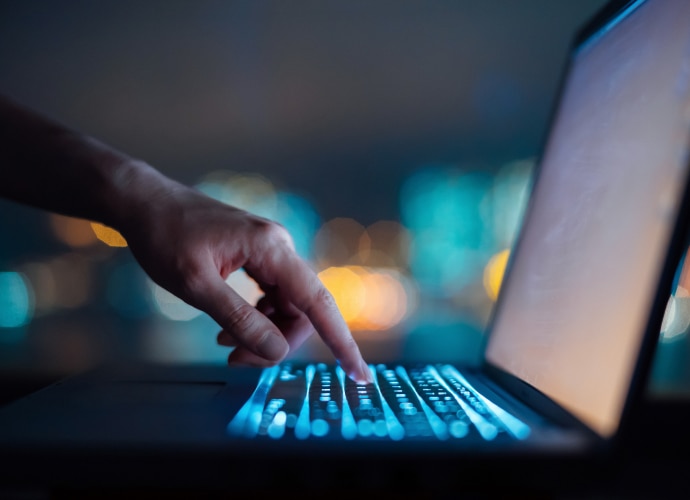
<point x="240" y="320"/>
<point x="274" y="233"/>
<point x="324" y="298"/>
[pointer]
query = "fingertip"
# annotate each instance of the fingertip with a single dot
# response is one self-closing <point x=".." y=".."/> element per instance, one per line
<point x="362" y="374"/>
<point x="272" y="347"/>
<point x="368" y="376"/>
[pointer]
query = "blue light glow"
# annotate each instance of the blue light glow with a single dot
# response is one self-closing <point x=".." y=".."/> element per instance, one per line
<point x="365" y="427"/>
<point x="487" y="430"/>
<point x="348" y="424"/>
<point x="320" y="427"/>
<point x="305" y="403"/>
<point x="16" y="300"/>
<point x="303" y="426"/>
<point x="458" y="429"/>
<point x="442" y="207"/>
<point x="247" y="421"/>
<point x="438" y="426"/>
<point x="300" y="219"/>
<point x="126" y="291"/>
<point x="258" y="196"/>
<point x="516" y="427"/>
<point x="395" y="429"/>
<point x="277" y="427"/>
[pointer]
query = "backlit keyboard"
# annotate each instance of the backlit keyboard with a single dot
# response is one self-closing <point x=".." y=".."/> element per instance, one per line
<point x="318" y="401"/>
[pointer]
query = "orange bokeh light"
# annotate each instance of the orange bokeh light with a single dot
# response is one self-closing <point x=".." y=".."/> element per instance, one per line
<point x="369" y="299"/>
<point x="74" y="232"/>
<point x="108" y="235"/>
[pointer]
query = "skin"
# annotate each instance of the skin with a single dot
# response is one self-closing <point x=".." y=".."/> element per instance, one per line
<point x="186" y="242"/>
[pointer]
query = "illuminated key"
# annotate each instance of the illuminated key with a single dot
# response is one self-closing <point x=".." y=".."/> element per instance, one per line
<point x="303" y="425"/>
<point x="395" y="429"/>
<point x="348" y="426"/>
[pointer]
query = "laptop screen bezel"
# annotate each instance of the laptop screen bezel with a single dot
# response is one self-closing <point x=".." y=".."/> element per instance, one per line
<point x="612" y="12"/>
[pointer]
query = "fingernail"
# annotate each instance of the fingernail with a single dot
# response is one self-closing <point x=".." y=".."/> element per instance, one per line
<point x="364" y="376"/>
<point x="272" y="347"/>
<point x="366" y="371"/>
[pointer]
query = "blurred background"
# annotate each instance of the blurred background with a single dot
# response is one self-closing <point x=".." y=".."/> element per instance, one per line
<point x="394" y="139"/>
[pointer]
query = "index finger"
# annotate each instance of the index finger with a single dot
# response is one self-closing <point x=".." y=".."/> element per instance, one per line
<point x="301" y="285"/>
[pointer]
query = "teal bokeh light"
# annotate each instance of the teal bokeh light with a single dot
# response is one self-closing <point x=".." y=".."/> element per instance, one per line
<point x="16" y="300"/>
<point x="257" y="195"/>
<point x="126" y="291"/>
<point x="443" y="209"/>
<point x="300" y="219"/>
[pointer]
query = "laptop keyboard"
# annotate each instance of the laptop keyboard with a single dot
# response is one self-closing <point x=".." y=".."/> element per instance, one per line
<point x="318" y="401"/>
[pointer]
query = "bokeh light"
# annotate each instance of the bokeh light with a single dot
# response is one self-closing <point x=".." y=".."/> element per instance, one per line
<point x="386" y="243"/>
<point x="341" y="241"/>
<point x="244" y="286"/>
<point x="174" y="308"/>
<point x="108" y="235"/>
<point x="347" y="287"/>
<point x="386" y="301"/>
<point x="676" y="320"/>
<point x="250" y="192"/>
<point x="44" y="284"/>
<point x="300" y="219"/>
<point x="370" y="299"/>
<point x="442" y="207"/>
<point x="74" y="232"/>
<point x="126" y="291"/>
<point x="64" y="281"/>
<point x="494" y="272"/>
<point x="509" y="195"/>
<point x="16" y="300"/>
<point x="73" y="277"/>
<point x="170" y="306"/>
<point x="256" y="194"/>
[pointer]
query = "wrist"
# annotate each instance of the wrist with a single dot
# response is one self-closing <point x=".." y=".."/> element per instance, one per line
<point x="140" y="194"/>
<point x="136" y="190"/>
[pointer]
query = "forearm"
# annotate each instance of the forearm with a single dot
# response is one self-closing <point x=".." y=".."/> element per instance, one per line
<point x="49" y="166"/>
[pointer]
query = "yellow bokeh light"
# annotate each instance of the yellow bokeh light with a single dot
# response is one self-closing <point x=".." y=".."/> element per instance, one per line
<point x="493" y="273"/>
<point x="254" y="193"/>
<point x="386" y="302"/>
<point x="347" y="289"/>
<point x="368" y="299"/>
<point x="108" y="235"/>
<point x="74" y="232"/>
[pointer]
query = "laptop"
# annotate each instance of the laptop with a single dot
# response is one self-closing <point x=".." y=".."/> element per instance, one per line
<point x="567" y="351"/>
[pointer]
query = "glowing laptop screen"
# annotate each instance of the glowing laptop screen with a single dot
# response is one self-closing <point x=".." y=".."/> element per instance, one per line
<point x="576" y="304"/>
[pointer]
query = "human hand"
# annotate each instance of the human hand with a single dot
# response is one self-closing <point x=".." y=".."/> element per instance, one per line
<point x="189" y="244"/>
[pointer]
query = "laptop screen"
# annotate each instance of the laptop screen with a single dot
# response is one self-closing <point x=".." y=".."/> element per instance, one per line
<point x="575" y="307"/>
